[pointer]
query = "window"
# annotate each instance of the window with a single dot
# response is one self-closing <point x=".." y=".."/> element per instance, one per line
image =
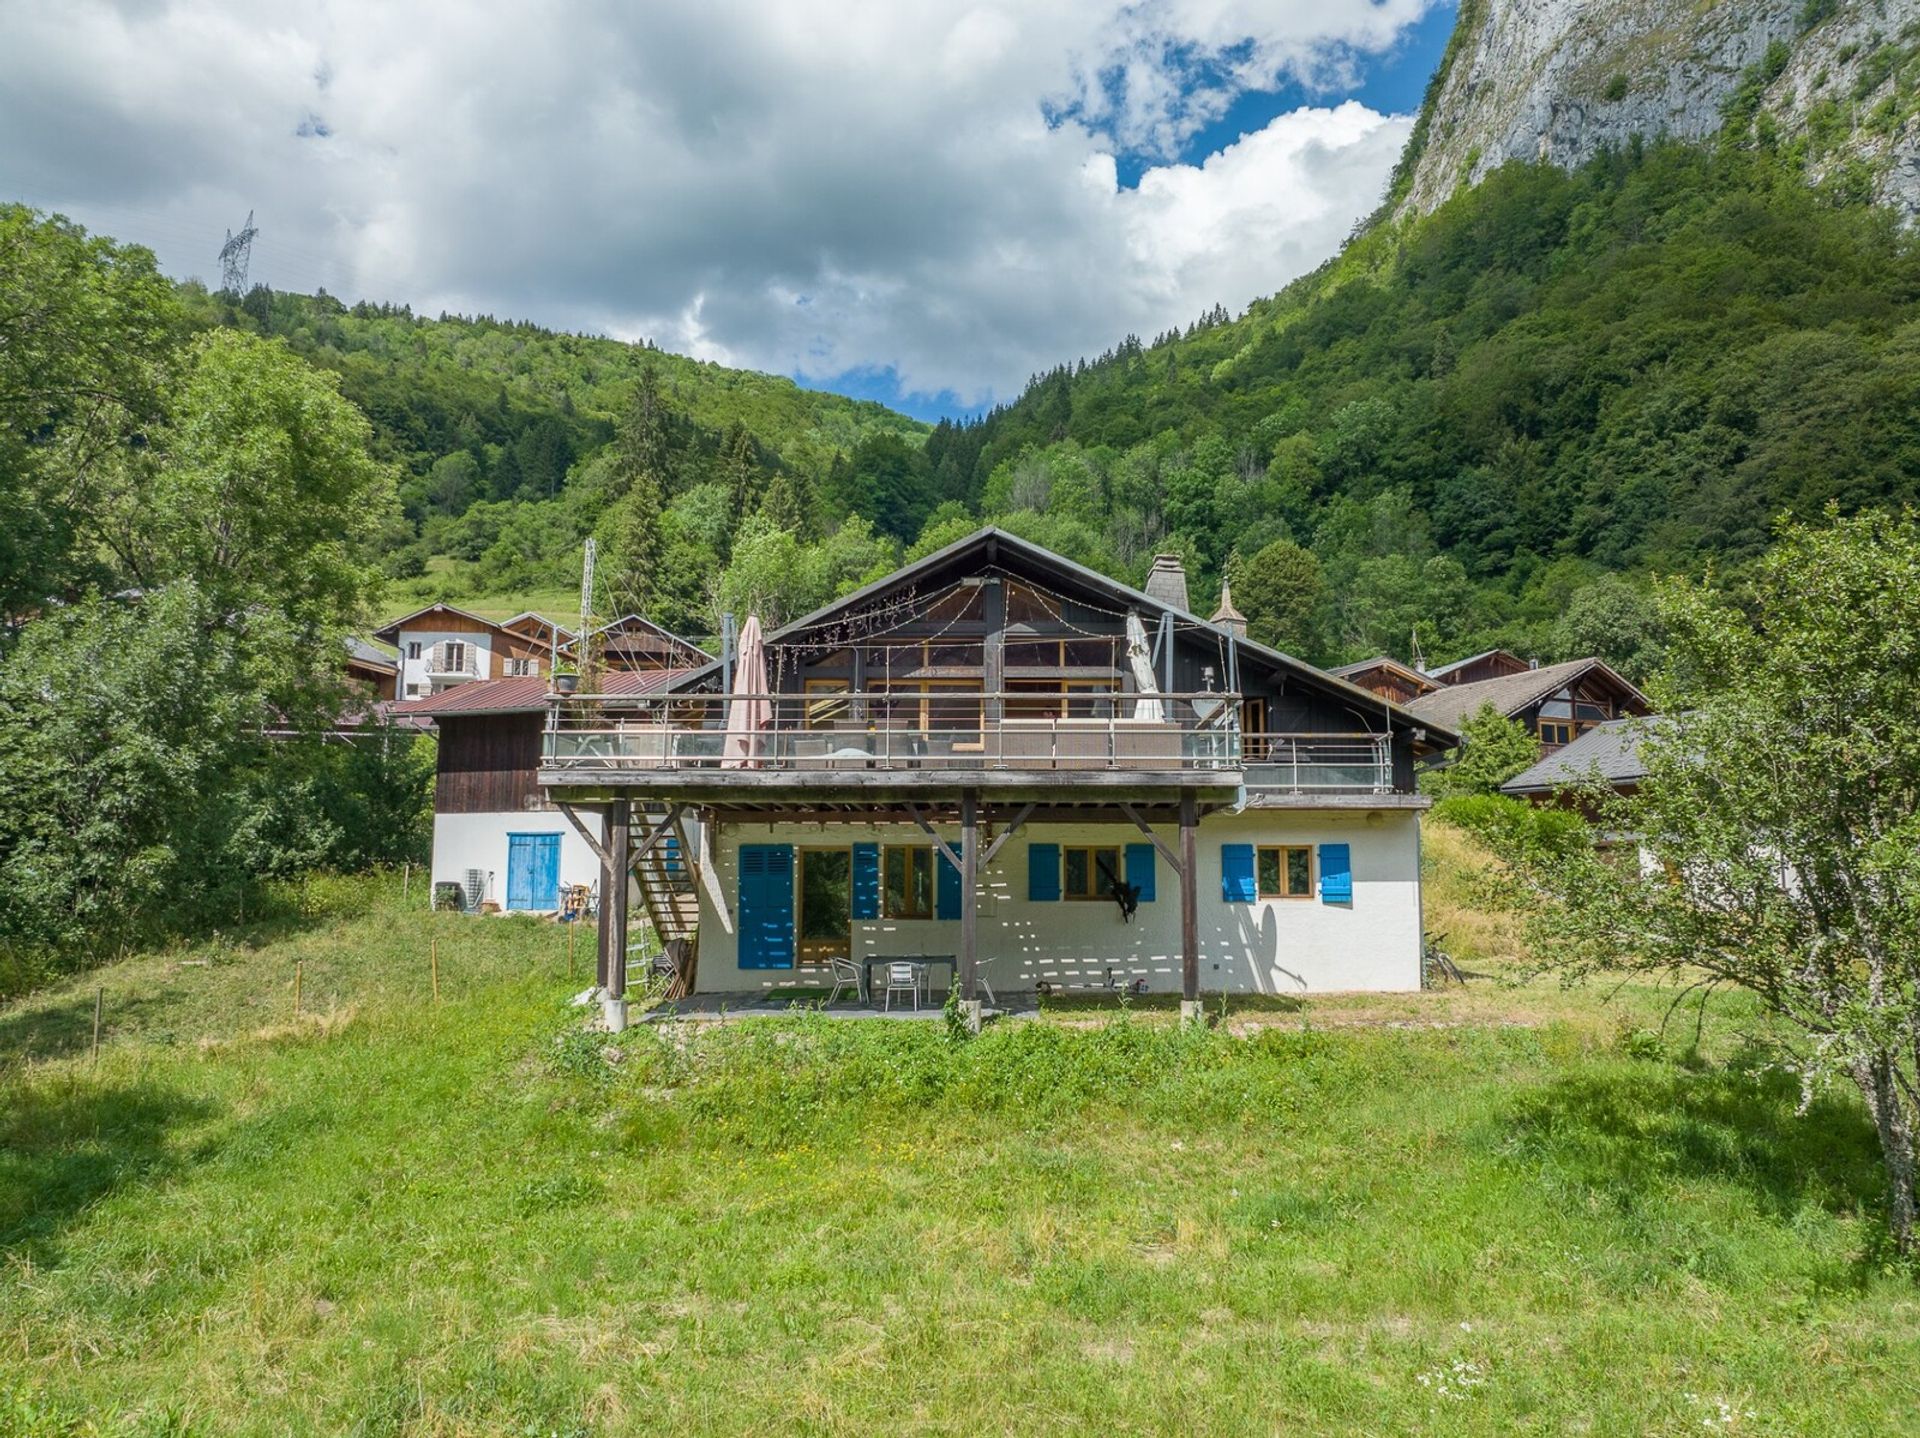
<point x="908" y="886"/>
<point x="521" y="668"/>
<point x="413" y="649"/>
<point x="1059" y="698"/>
<point x="827" y="702"/>
<point x="1555" y="731"/>
<point x="1285" y="872"/>
<point x="1091" y="873"/>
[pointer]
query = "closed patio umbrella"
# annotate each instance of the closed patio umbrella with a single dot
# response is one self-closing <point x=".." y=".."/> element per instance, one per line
<point x="1140" y="660"/>
<point x="750" y="712"/>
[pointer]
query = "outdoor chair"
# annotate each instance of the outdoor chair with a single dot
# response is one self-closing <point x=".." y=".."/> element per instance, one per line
<point x="905" y="979"/>
<point x="846" y="975"/>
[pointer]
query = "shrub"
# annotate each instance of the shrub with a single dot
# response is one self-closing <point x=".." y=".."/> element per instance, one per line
<point x="1512" y="826"/>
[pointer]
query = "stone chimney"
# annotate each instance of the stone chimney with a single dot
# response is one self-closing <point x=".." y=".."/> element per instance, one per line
<point x="1167" y="580"/>
<point x="1226" y="616"/>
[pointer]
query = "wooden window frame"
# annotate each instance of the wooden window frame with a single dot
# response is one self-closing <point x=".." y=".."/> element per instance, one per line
<point x="1094" y="877"/>
<point x="912" y="855"/>
<point x="820" y="713"/>
<point x="1281" y="851"/>
<point x="1565" y="727"/>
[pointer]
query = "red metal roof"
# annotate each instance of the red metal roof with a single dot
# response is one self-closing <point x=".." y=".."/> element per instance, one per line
<point x="526" y="695"/>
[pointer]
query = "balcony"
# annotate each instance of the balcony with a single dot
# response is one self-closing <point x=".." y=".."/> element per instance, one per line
<point x="1308" y="764"/>
<point x="866" y="740"/>
<point x="452" y="663"/>
<point x="926" y="737"/>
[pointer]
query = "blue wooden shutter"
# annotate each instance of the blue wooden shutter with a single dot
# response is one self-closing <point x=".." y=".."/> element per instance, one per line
<point x="766" y="906"/>
<point x="1140" y="870"/>
<point x="1236" y="874"/>
<point x="1043" y="873"/>
<point x="1336" y="874"/>
<point x="946" y="888"/>
<point x="866" y="881"/>
<point x="519" y="871"/>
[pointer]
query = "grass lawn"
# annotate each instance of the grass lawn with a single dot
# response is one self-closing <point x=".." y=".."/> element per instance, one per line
<point x="1486" y="1212"/>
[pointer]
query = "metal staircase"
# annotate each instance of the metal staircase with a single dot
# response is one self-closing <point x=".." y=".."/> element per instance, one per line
<point x="669" y="887"/>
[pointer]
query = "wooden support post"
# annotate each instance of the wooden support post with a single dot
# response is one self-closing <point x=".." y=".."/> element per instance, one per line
<point x="99" y="1005"/>
<point x="614" y="903"/>
<point x="969" y="908"/>
<point x="604" y="935"/>
<point x="406" y="883"/>
<point x="1189" y="911"/>
<point x="296" y="988"/>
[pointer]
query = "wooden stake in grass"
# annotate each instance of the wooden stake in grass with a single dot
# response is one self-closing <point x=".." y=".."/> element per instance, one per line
<point x="296" y="989"/>
<point x="433" y="959"/>
<point x="99" y="1003"/>
<point x="406" y="883"/>
<point x="571" y="926"/>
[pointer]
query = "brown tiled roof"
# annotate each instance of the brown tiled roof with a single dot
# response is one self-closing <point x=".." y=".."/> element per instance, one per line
<point x="1508" y="694"/>
<point x="525" y="695"/>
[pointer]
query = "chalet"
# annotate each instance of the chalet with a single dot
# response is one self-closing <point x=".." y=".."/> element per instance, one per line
<point x="1490" y="664"/>
<point x="635" y="643"/>
<point x="1609" y="752"/>
<point x="496" y="834"/>
<point x="1555" y="702"/>
<point x="371" y="671"/>
<point x="441" y="647"/>
<point x="1388" y="678"/>
<point x="996" y="762"/>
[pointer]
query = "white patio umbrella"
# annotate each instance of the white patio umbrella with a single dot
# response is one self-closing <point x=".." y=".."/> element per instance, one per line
<point x="1140" y="660"/>
<point x="750" y="711"/>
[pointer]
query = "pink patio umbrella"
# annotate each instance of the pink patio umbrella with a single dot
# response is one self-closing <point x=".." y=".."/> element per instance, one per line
<point x="750" y="712"/>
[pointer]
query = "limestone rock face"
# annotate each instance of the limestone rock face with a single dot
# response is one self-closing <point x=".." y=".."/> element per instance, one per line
<point x="1562" y="80"/>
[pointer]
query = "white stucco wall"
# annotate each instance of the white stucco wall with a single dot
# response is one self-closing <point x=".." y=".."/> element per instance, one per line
<point x="479" y="841"/>
<point x="1270" y="946"/>
<point x="414" y="671"/>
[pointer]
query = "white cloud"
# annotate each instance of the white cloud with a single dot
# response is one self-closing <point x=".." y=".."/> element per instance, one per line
<point x="771" y="184"/>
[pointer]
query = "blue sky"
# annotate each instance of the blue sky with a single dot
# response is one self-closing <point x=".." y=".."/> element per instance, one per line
<point x="922" y="202"/>
<point x="1393" y="83"/>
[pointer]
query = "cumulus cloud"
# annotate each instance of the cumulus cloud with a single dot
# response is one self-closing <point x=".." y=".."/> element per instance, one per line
<point x="927" y="187"/>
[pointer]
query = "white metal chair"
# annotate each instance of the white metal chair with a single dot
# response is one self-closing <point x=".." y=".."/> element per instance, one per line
<point x="903" y="978"/>
<point x="846" y="975"/>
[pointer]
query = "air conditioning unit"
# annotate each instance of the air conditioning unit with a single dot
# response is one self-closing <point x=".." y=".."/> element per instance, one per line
<point x="476" y="889"/>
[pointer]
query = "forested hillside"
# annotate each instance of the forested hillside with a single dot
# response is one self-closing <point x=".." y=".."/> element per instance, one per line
<point x="1486" y="425"/>
<point x="1465" y="421"/>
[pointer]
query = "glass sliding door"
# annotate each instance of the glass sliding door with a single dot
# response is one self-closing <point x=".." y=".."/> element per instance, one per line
<point x="826" y="905"/>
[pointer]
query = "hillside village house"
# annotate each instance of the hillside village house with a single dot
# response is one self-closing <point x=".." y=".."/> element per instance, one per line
<point x="441" y="647"/>
<point x="495" y="833"/>
<point x="1556" y="703"/>
<point x="994" y="760"/>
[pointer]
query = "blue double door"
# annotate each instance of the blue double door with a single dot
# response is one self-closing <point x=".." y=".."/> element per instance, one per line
<point x="533" y="871"/>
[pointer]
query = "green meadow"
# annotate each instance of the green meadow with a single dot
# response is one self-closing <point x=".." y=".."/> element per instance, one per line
<point x="1509" y="1209"/>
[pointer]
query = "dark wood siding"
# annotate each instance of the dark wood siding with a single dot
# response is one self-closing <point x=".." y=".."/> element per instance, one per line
<point x="489" y="764"/>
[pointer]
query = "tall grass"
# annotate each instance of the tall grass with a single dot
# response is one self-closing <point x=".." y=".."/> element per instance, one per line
<point x="476" y="1217"/>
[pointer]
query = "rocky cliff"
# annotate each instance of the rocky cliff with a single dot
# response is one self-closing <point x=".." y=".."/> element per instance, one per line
<point x="1834" y="83"/>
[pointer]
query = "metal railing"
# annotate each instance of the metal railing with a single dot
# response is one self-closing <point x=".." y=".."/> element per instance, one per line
<point x="903" y="728"/>
<point x="1319" y="763"/>
<point x="440" y="663"/>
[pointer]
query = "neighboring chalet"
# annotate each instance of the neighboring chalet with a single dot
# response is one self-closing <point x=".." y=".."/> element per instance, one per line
<point x="1489" y="664"/>
<point x="1609" y="751"/>
<point x="1555" y="702"/>
<point x="441" y="647"/>
<point x="996" y="759"/>
<point x="635" y="643"/>
<point x="1388" y="678"/>
<point x="371" y="671"/>
<point x="495" y="832"/>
